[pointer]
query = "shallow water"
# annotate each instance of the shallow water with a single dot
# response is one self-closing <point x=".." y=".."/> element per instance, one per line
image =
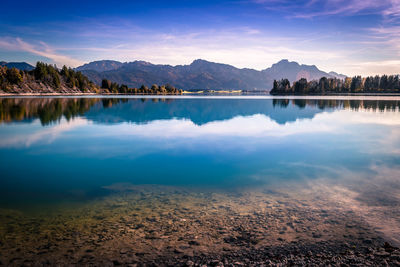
<point x="85" y="163"/>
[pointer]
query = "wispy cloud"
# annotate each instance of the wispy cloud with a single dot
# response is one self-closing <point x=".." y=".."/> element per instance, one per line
<point x="320" y="8"/>
<point x="342" y="7"/>
<point x="389" y="35"/>
<point x="40" y="49"/>
<point x="245" y="47"/>
<point x="393" y="10"/>
<point x="367" y="51"/>
<point x="256" y="43"/>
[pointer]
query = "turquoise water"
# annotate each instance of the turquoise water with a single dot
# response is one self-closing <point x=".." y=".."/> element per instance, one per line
<point x="72" y="149"/>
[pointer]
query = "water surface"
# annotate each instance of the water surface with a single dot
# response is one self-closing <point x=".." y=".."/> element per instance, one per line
<point x="64" y="154"/>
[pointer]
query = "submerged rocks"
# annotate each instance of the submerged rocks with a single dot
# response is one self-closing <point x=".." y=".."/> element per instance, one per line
<point x="171" y="228"/>
<point x="193" y="243"/>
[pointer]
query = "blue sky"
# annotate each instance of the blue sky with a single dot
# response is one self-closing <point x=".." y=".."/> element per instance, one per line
<point x="347" y="36"/>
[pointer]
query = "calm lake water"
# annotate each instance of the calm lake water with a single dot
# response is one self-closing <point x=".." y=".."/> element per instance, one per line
<point x="75" y="150"/>
<point x="66" y="148"/>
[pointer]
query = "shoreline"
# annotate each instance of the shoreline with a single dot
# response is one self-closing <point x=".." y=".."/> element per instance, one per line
<point x="383" y="97"/>
<point x="346" y="94"/>
<point x="214" y="93"/>
<point x="78" y="94"/>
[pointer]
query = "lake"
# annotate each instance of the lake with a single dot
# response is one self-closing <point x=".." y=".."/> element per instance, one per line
<point x="140" y="179"/>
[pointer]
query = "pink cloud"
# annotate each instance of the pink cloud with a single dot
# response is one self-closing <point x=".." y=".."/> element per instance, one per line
<point x="42" y="49"/>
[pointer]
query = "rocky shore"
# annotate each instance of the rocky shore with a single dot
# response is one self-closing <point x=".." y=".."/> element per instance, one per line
<point x="318" y="254"/>
<point x="168" y="226"/>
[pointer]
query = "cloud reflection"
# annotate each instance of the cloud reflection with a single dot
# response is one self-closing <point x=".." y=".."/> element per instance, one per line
<point x="258" y="125"/>
<point x="373" y="196"/>
<point x="254" y="126"/>
<point x="25" y="135"/>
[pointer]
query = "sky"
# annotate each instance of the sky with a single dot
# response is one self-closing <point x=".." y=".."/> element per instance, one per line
<point x="353" y="37"/>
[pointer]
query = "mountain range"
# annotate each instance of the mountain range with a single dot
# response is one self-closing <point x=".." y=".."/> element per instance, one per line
<point x="18" y="65"/>
<point x="200" y="74"/>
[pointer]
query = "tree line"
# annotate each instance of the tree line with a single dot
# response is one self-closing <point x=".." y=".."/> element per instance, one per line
<point x="356" y="84"/>
<point x="47" y="74"/>
<point x="155" y="89"/>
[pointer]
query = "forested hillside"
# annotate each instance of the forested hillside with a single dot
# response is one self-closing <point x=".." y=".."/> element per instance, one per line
<point x="48" y="79"/>
<point x="45" y="78"/>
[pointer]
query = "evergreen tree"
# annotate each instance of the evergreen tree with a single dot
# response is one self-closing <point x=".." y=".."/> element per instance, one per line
<point x="14" y="76"/>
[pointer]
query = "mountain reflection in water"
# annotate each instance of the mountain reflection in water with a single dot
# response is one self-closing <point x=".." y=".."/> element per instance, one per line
<point x="199" y="111"/>
<point x="341" y="153"/>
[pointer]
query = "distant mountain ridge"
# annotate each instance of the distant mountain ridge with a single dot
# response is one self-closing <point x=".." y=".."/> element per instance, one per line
<point x="103" y="65"/>
<point x="200" y="74"/>
<point x="293" y="71"/>
<point x="18" y="65"/>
